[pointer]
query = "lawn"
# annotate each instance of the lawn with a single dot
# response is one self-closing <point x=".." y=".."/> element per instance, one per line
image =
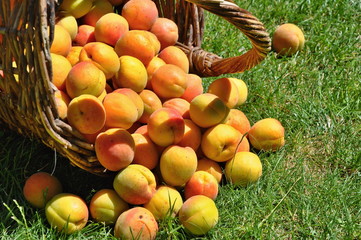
<point x="310" y="189"/>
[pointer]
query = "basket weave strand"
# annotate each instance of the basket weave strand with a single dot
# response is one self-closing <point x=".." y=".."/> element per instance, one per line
<point x="248" y="24"/>
<point x="27" y="103"/>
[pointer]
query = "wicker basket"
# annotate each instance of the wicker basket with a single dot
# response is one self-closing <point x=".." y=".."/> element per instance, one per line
<point x="27" y="102"/>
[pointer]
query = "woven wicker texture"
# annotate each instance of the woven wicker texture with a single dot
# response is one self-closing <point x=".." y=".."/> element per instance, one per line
<point x="27" y="103"/>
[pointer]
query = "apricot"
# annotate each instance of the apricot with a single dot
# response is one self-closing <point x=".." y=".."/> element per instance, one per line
<point x="220" y="142"/>
<point x="152" y="66"/>
<point x="166" y="31"/>
<point x="136" y="99"/>
<point x="169" y="81"/>
<point x="61" y="67"/>
<point x="245" y="168"/>
<point x="85" y="35"/>
<point x="153" y="40"/>
<point x="146" y="152"/>
<point x="177" y="165"/>
<point x="90" y="138"/>
<point x="73" y="56"/>
<point x="192" y="135"/>
<point x="110" y="27"/>
<point x="201" y="183"/>
<point x="142" y="130"/>
<point x="140" y="14"/>
<point x="85" y="78"/>
<point x="121" y="112"/>
<point x="165" y="202"/>
<point x="198" y="214"/>
<point x="102" y="56"/>
<point x="267" y="134"/>
<point x="106" y="206"/>
<point x="194" y="87"/>
<point x="135" y="184"/>
<point x="138" y="44"/>
<point x="67" y="213"/>
<point x="237" y="119"/>
<point x="174" y="55"/>
<point x="179" y="104"/>
<point x="86" y="114"/>
<point x="114" y="148"/>
<point x="62" y="101"/>
<point x="166" y="127"/>
<point x="136" y="223"/>
<point x="210" y="166"/>
<point x="131" y="74"/>
<point x="99" y="9"/>
<point x="288" y="39"/>
<point x="226" y="90"/>
<point x="242" y="90"/>
<point x="77" y="8"/>
<point x="62" y="41"/>
<point x="69" y="22"/>
<point x="151" y="104"/>
<point x="102" y="95"/>
<point x="207" y="110"/>
<point x="40" y="187"/>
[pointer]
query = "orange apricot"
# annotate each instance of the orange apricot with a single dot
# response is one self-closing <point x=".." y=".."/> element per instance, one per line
<point x="169" y="81"/>
<point x="140" y="14"/>
<point x="166" y="31"/>
<point x="86" y="113"/>
<point x="114" y="148"/>
<point x="136" y="43"/>
<point x="174" y="55"/>
<point x="121" y="112"/>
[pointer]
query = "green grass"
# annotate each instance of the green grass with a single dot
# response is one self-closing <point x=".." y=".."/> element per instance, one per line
<point x="310" y="189"/>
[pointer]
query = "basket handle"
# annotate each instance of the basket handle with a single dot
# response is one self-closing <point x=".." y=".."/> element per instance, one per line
<point x="213" y="65"/>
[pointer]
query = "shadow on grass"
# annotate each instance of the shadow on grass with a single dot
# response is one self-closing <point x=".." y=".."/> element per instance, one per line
<point x="22" y="156"/>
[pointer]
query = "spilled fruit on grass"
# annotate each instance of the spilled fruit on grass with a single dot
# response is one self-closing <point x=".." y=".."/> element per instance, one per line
<point x="126" y="88"/>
